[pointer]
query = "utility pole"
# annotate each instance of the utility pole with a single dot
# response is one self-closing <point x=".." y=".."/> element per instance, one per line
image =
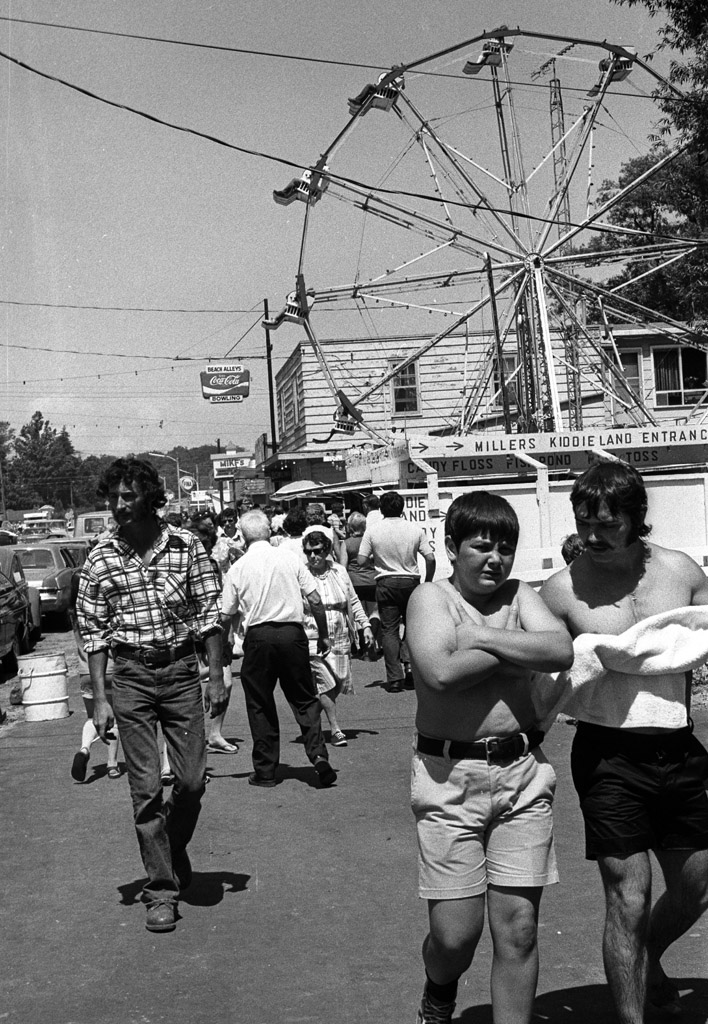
<point x="219" y="480"/>
<point x="269" y="363"/>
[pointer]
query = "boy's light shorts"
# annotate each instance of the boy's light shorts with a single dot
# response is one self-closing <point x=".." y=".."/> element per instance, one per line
<point x="479" y="824"/>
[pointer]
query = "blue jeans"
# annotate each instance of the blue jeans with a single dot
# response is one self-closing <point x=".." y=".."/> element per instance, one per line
<point x="392" y="596"/>
<point x="172" y="696"/>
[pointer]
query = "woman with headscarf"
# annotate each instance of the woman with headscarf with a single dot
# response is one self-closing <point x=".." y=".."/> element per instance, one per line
<point x="332" y="673"/>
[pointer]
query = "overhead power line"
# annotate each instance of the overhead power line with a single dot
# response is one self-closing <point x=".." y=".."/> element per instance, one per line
<point x="118" y="309"/>
<point x="220" y="47"/>
<point x="283" y="161"/>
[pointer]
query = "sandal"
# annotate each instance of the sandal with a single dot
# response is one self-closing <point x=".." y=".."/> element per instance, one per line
<point x="222" y="748"/>
<point x="114" y="772"/>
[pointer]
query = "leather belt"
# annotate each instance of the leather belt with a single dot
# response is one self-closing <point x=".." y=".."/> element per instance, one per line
<point x="155" y="657"/>
<point x="492" y="749"/>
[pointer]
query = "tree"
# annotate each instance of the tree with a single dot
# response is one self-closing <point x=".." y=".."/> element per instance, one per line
<point x="685" y="35"/>
<point x="672" y="203"/>
<point x="44" y="466"/>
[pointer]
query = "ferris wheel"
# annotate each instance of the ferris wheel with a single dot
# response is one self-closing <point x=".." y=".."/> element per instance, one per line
<point x="460" y="194"/>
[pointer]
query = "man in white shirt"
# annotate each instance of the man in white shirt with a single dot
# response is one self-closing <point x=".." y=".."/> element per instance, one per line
<point x="264" y="588"/>
<point x="395" y="544"/>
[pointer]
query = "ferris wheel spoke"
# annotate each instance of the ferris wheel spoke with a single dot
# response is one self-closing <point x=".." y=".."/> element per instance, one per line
<point x="372" y="203"/>
<point x="422" y="349"/>
<point x="617" y="198"/>
<point x="621" y="255"/>
<point x="614" y="368"/>
<point x="582" y="142"/>
<point x="645" y="311"/>
<point x="652" y="270"/>
<point x="484" y="202"/>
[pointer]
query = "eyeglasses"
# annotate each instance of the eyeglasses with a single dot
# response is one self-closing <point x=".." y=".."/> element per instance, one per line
<point x="314" y="551"/>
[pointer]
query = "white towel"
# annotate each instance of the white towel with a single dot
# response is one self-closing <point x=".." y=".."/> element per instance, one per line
<point x="631" y="680"/>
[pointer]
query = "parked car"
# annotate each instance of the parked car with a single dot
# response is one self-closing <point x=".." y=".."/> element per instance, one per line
<point x="48" y="567"/>
<point x="16" y="624"/>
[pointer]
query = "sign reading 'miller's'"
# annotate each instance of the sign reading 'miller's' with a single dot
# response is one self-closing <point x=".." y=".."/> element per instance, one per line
<point x="225" y="382"/>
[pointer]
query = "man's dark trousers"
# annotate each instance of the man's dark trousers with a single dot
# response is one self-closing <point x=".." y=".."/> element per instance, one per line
<point x="392" y="597"/>
<point x="275" y="652"/>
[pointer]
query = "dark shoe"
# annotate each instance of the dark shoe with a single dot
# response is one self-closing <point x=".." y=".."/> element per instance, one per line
<point x="114" y="772"/>
<point x="167" y="779"/>
<point x="664" y="998"/>
<point x="161" y="916"/>
<point x="254" y="779"/>
<point x="338" y="739"/>
<point x="434" y="1013"/>
<point x="182" y="868"/>
<point x="79" y="766"/>
<point x="396" y="686"/>
<point x="326" y="772"/>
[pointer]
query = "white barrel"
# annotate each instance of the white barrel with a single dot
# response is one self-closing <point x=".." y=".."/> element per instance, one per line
<point x="44" y="686"/>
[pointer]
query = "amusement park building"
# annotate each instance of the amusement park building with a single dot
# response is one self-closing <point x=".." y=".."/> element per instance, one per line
<point x="454" y="388"/>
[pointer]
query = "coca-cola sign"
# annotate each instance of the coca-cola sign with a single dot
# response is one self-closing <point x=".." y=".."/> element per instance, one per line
<point x="225" y="382"/>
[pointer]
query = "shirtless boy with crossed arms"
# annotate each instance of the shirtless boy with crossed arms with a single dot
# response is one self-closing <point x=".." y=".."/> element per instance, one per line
<point x="481" y="787"/>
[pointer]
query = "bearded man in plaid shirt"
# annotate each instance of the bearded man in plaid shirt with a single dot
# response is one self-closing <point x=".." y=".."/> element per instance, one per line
<point x="148" y="592"/>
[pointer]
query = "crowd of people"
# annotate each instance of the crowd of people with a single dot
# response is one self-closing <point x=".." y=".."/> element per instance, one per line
<point x="294" y="596"/>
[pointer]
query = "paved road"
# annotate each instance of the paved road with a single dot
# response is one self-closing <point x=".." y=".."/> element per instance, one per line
<point x="303" y="907"/>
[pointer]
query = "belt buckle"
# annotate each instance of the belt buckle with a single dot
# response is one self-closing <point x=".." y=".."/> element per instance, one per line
<point x="495" y="744"/>
<point x="155" y="658"/>
<point x="491" y="746"/>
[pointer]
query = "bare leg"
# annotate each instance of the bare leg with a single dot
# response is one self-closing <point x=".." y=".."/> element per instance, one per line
<point x="677" y="909"/>
<point x="328" y="706"/>
<point x="513" y="922"/>
<point x="216" y="736"/>
<point x="455" y="928"/>
<point x="627" y="882"/>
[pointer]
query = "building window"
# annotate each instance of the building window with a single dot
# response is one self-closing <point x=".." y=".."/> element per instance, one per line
<point x="631" y="366"/>
<point x="680" y="375"/>
<point x="405" y="397"/>
<point x="511" y="379"/>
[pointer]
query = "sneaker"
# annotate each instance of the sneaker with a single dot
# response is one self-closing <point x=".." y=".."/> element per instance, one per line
<point x="338" y="739"/>
<point x="79" y="766"/>
<point x="326" y="772"/>
<point x="434" y="1013"/>
<point x="161" y="916"/>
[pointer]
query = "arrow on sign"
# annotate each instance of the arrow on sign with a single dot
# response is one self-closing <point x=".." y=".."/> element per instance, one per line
<point x="419" y="448"/>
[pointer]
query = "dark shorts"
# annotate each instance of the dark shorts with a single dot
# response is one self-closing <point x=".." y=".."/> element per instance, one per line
<point x="640" y="792"/>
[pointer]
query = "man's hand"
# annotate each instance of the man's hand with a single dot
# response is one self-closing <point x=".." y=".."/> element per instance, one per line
<point x="512" y="673"/>
<point x="216" y="698"/>
<point x="324" y="645"/>
<point x="103" y="719"/>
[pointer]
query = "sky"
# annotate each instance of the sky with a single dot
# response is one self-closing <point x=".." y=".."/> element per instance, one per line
<point x="134" y="253"/>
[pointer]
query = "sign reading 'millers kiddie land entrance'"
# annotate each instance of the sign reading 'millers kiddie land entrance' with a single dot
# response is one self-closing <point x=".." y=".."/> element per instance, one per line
<point x="574" y="451"/>
<point x="225" y="382"/>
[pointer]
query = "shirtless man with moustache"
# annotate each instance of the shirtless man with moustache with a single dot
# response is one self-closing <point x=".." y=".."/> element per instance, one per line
<point x="481" y="787"/>
<point x="640" y="775"/>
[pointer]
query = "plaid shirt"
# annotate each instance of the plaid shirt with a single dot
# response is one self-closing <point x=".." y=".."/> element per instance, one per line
<point x="121" y="600"/>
